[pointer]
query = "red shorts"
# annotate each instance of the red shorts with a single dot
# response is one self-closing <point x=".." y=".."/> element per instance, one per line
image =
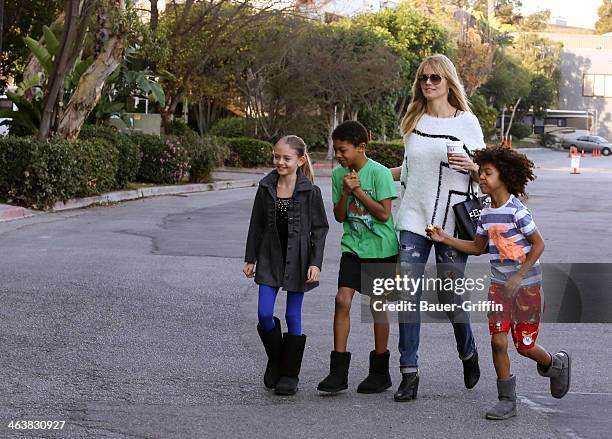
<point x="520" y="314"/>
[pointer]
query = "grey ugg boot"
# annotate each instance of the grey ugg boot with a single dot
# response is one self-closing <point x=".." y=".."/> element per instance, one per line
<point x="559" y="372"/>
<point x="506" y="407"/>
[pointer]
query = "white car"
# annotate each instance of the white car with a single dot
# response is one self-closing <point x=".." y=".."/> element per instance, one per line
<point x="5" y="104"/>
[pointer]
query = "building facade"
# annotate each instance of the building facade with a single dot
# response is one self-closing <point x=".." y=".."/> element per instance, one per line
<point x="586" y="79"/>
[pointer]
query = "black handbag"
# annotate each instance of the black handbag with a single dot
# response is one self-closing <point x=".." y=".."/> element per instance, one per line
<point x="467" y="214"/>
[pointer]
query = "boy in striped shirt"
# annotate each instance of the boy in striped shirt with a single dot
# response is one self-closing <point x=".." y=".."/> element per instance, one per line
<point x="515" y="244"/>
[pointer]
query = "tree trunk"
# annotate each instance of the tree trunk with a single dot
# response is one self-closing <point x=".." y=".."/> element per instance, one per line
<point x="89" y="89"/>
<point x="518" y="101"/>
<point x="1" y="24"/>
<point x="332" y="123"/>
<point x="154" y="15"/>
<point x="60" y="69"/>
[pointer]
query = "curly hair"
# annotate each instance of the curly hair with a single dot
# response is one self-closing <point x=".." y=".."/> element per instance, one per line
<point x="515" y="169"/>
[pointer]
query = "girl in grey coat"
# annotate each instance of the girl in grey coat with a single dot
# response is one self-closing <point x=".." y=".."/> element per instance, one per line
<point x="286" y="240"/>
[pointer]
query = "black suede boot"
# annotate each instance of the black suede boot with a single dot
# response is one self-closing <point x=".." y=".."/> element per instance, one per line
<point x="337" y="379"/>
<point x="471" y="371"/>
<point x="408" y="388"/>
<point x="272" y="341"/>
<point x="290" y="364"/>
<point x="379" y="378"/>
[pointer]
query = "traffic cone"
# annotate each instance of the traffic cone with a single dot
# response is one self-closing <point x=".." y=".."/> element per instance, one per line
<point x="594" y="153"/>
<point x="575" y="164"/>
<point x="583" y="153"/>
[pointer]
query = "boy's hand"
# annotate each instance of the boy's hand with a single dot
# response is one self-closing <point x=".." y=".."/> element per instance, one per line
<point x="350" y="182"/>
<point x="353" y="181"/>
<point x="314" y="274"/>
<point x="249" y="270"/>
<point x="435" y="233"/>
<point x="513" y="284"/>
<point x="346" y="188"/>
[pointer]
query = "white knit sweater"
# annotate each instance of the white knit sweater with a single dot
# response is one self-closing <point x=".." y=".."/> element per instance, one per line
<point x="430" y="187"/>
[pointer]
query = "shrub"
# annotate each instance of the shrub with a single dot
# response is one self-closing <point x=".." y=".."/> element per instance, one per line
<point x="162" y="161"/>
<point x="176" y="127"/>
<point x="230" y="127"/>
<point x="486" y="114"/>
<point x="205" y="153"/>
<point x="389" y="153"/>
<point x="519" y="130"/>
<point x="248" y="153"/>
<point x="129" y="152"/>
<point x="549" y="140"/>
<point x="313" y="129"/>
<point x="38" y="174"/>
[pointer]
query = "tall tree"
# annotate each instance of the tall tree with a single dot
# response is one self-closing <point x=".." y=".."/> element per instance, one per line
<point x="78" y="15"/>
<point x="604" y="23"/>
<point x="211" y="26"/>
<point x="411" y="35"/>
<point x="89" y="89"/>
<point x="506" y="11"/>
<point x="474" y="60"/>
<point x="347" y="68"/>
<point x="21" y="18"/>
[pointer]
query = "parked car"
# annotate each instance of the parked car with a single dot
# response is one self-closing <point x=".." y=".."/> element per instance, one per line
<point x="5" y="104"/>
<point x="588" y="143"/>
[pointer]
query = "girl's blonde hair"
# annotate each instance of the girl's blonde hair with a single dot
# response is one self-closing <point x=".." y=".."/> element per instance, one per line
<point x="299" y="146"/>
<point x="444" y="67"/>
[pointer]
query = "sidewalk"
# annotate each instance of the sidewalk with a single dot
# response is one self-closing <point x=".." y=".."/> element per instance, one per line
<point x="222" y="179"/>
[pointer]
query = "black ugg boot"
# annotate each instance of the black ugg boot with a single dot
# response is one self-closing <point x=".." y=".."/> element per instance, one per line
<point x="471" y="371"/>
<point x="290" y="365"/>
<point x="272" y="342"/>
<point x="337" y="379"/>
<point x="379" y="378"/>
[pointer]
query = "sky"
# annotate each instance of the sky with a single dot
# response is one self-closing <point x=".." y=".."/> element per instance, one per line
<point x="580" y="13"/>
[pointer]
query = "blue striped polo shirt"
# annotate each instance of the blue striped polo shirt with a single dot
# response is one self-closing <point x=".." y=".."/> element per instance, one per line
<point x="507" y="228"/>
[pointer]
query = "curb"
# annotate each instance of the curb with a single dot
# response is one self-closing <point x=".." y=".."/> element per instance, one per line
<point x="8" y="213"/>
<point x="147" y="192"/>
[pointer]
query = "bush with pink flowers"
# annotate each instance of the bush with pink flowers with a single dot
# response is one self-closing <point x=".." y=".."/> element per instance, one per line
<point x="163" y="160"/>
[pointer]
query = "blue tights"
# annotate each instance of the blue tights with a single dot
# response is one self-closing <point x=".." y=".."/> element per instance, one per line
<point x="293" y="314"/>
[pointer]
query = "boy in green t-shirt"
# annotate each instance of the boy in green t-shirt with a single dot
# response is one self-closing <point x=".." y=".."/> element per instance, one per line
<point x="362" y="191"/>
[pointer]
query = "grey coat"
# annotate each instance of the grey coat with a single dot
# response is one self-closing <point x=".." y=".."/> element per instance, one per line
<point x="307" y="230"/>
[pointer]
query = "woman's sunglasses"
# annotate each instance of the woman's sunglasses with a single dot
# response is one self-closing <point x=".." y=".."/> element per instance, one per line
<point x="435" y="79"/>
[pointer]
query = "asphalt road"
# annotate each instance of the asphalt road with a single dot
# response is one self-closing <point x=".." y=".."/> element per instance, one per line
<point x="135" y="321"/>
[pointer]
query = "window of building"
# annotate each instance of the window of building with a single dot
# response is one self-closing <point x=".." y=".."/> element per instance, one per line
<point x="587" y="85"/>
<point x="597" y="85"/>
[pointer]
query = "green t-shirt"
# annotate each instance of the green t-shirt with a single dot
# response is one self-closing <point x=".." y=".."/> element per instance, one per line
<point x="364" y="235"/>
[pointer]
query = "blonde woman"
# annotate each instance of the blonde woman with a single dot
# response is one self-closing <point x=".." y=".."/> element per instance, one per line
<point x="431" y="183"/>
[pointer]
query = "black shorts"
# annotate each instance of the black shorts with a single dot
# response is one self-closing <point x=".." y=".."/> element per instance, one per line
<point x="351" y="267"/>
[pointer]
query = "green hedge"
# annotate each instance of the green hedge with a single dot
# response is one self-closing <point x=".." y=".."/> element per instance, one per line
<point x="38" y="174"/>
<point x="205" y="153"/>
<point x="163" y="161"/>
<point x="248" y="153"/>
<point x="230" y="127"/>
<point x="129" y="152"/>
<point x="389" y="153"/>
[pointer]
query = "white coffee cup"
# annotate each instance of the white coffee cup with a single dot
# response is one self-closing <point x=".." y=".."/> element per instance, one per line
<point x="454" y="148"/>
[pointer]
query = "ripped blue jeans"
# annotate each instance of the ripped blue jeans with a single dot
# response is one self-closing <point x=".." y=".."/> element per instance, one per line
<point x="450" y="263"/>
